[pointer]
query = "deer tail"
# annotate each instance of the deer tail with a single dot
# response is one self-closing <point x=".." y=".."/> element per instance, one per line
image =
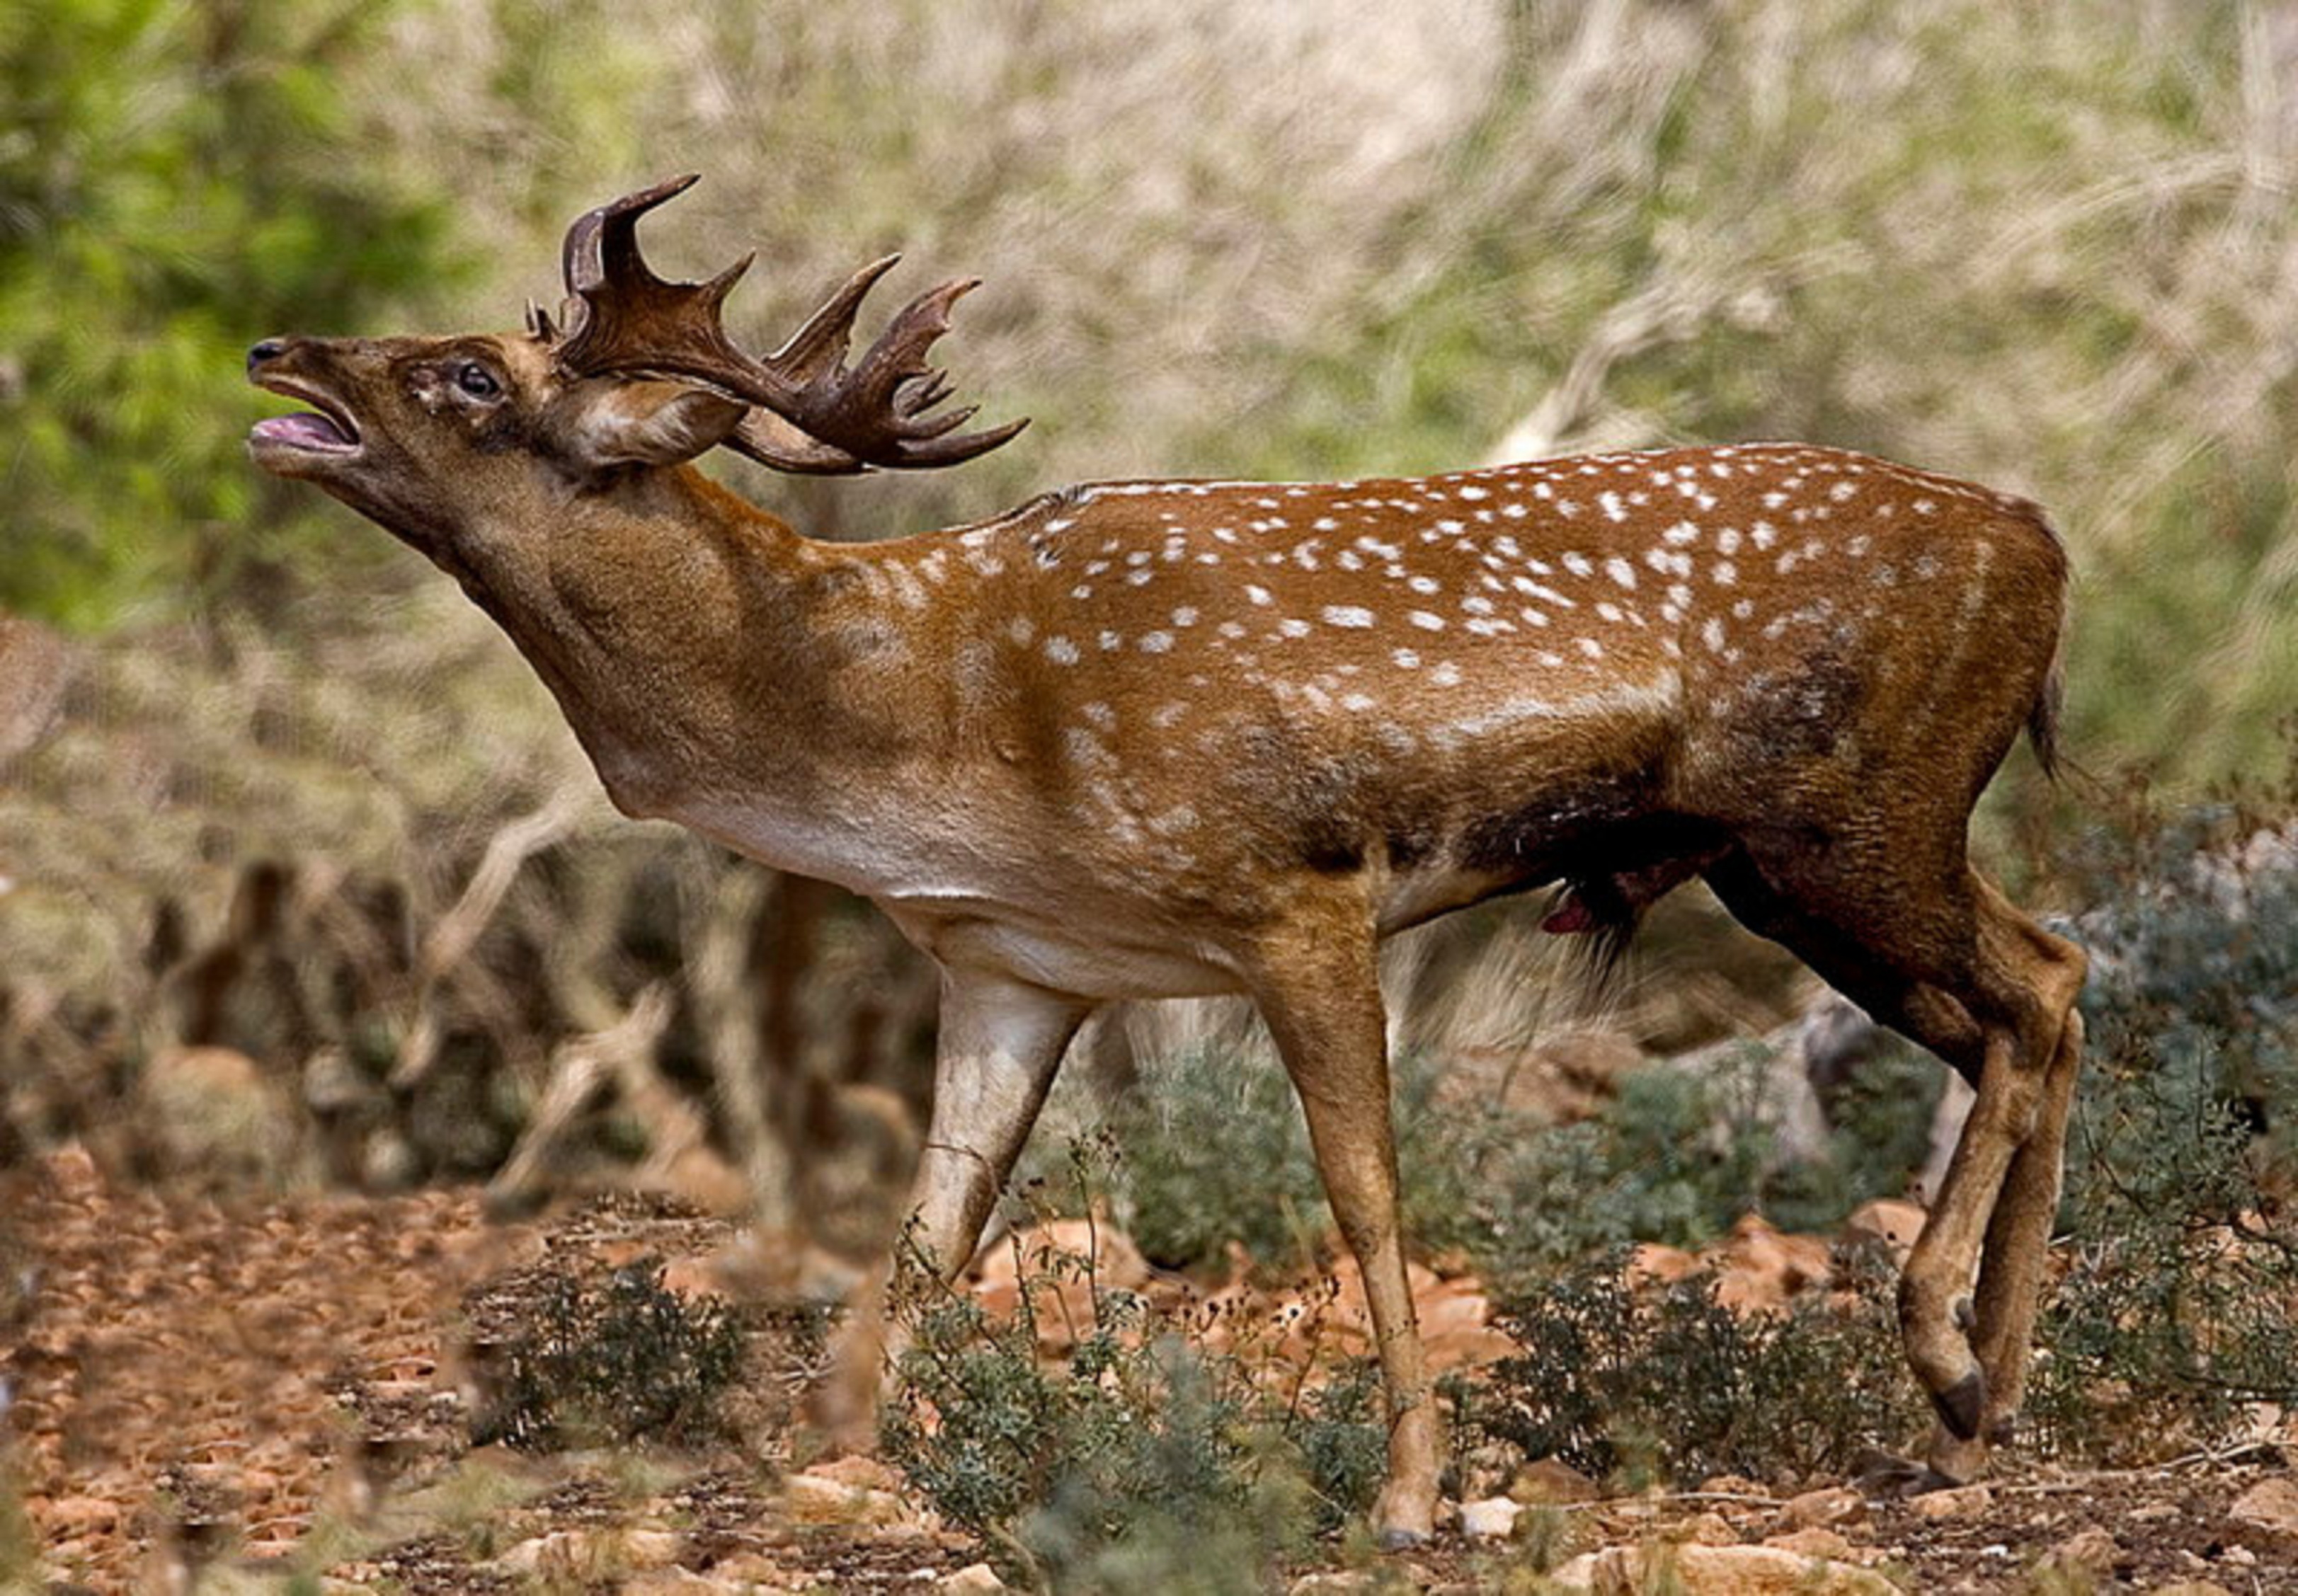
<point x="2043" y="715"/>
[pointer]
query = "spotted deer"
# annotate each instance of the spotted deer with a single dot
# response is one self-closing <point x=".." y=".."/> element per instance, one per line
<point x="1146" y="739"/>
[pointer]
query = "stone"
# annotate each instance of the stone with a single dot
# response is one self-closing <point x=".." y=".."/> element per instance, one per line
<point x="1652" y="1264"/>
<point x="810" y="1499"/>
<point x="677" y="1582"/>
<point x="2090" y="1548"/>
<point x="975" y="1579"/>
<point x="1812" y="1542"/>
<point x="1330" y="1584"/>
<point x="76" y="1514"/>
<point x="1833" y="1504"/>
<point x="1889" y="1221"/>
<point x="1493" y="1519"/>
<point x="2271" y="1504"/>
<point x="862" y="1473"/>
<point x="582" y="1554"/>
<point x="1705" y="1529"/>
<point x="1550" y="1480"/>
<point x="1960" y="1502"/>
<point x="1697" y="1570"/>
<point x="1579" y="1574"/>
<point x="1049" y="1257"/>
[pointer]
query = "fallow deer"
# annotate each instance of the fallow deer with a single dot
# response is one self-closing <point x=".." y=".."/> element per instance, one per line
<point x="1142" y="739"/>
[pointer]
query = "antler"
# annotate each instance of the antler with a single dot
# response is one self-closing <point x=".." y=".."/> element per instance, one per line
<point x="622" y="317"/>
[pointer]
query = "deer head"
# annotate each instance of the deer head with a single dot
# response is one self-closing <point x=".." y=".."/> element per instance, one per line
<point x="444" y="439"/>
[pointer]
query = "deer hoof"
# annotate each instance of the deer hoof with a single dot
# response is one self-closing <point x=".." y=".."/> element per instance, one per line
<point x="1886" y="1476"/>
<point x="1962" y="1405"/>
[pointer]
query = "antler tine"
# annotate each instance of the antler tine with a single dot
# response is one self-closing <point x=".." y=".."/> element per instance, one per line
<point x="819" y="347"/>
<point x="623" y="317"/>
<point x="886" y="396"/>
<point x="876" y="411"/>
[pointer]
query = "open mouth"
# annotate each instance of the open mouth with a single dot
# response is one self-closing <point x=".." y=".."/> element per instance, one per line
<point x="325" y="429"/>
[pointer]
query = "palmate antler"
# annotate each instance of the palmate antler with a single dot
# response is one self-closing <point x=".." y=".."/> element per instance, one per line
<point x="622" y="317"/>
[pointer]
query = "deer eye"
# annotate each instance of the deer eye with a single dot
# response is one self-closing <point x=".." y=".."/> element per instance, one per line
<point x="476" y="380"/>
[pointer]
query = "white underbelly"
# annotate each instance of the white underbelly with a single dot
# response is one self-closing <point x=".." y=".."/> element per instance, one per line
<point x="1090" y="960"/>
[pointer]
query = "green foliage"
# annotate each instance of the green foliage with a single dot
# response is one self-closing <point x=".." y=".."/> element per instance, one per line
<point x="1140" y="1462"/>
<point x="2181" y="1304"/>
<point x="1665" y="1383"/>
<point x="623" y="1359"/>
<point x="1214" y="1150"/>
<point x="176" y="182"/>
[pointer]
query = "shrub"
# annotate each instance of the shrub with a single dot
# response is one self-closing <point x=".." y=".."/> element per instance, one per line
<point x="1140" y="1461"/>
<point x="1665" y="1383"/>
<point x="2179" y="1304"/>
<point x="622" y="1359"/>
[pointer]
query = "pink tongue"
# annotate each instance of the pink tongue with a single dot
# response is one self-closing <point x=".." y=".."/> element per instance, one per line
<point x="302" y="428"/>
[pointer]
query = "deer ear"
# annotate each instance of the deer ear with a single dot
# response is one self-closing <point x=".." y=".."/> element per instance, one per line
<point x="646" y="422"/>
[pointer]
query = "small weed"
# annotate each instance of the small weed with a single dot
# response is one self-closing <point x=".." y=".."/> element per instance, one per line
<point x="1140" y="1460"/>
<point x="623" y="1360"/>
<point x="1665" y="1384"/>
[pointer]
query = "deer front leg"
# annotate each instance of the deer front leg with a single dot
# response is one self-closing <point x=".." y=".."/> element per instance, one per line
<point x="1318" y="988"/>
<point x="1000" y="1042"/>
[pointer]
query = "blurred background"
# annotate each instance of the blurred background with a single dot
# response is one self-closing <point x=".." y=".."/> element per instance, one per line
<point x="285" y="827"/>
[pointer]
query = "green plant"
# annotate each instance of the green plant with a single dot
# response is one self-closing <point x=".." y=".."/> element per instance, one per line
<point x="177" y="182"/>
<point x="1665" y="1383"/>
<point x="622" y="1359"/>
<point x="2179" y="1306"/>
<point x="1142" y="1461"/>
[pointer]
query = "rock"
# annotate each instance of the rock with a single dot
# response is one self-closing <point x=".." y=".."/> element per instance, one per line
<point x="1705" y="1529"/>
<point x="1759" y="1266"/>
<point x="859" y="1472"/>
<point x="649" y="1548"/>
<point x="1731" y="1485"/>
<point x="557" y="1553"/>
<point x="676" y="1582"/>
<point x="975" y="1579"/>
<point x="1697" y="1570"/>
<point x="2191" y="1587"/>
<point x="1330" y="1584"/>
<point x="585" y="1554"/>
<point x="1491" y="1520"/>
<point x="1579" y="1574"/>
<point x="1652" y="1264"/>
<point x="2090" y="1548"/>
<point x="1834" y="1504"/>
<point x="2271" y="1504"/>
<point x="1812" y="1542"/>
<point x="1550" y="1480"/>
<point x="811" y="1499"/>
<point x="1889" y="1221"/>
<point x="76" y="1514"/>
<point x="1049" y="1257"/>
<point x="1960" y="1502"/>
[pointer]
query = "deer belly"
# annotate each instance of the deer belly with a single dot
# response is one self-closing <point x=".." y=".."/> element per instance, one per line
<point x="1107" y="962"/>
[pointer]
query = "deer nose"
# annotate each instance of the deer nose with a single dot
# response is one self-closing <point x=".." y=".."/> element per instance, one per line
<point x="270" y="348"/>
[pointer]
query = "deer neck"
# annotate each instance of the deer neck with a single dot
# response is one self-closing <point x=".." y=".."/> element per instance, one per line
<point x="718" y="669"/>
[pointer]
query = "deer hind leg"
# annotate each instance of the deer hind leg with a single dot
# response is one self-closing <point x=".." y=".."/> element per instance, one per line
<point x="2017" y="1244"/>
<point x="1001" y="1042"/>
<point x="1964" y="974"/>
<point x="1319" y="989"/>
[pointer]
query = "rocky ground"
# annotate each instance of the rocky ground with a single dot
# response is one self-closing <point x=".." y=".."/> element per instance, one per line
<point x="237" y="1399"/>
